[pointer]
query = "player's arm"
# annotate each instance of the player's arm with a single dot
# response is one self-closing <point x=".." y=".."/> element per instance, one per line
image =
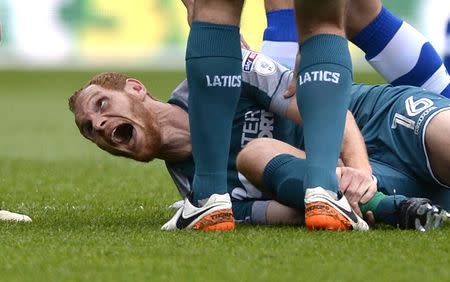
<point x="354" y="152"/>
<point x="355" y="178"/>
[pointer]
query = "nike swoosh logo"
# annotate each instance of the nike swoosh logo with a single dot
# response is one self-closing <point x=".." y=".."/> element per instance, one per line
<point x="351" y="214"/>
<point x="183" y="222"/>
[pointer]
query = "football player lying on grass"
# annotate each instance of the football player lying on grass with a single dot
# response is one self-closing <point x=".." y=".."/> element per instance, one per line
<point x="405" y="130"/>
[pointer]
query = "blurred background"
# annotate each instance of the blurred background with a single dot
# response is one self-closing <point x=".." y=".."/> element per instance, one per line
<point x="149" y="34"/>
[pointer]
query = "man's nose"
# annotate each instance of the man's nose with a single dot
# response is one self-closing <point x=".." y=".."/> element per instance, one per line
<point x="99" y="123"/>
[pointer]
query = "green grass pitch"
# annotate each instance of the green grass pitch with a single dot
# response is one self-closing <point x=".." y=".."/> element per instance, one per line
<point x="97" y="217"/>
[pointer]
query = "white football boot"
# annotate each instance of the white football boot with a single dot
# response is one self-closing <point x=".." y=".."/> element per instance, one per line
<point x="323" y="211"/>
<point x="215" y="214"/>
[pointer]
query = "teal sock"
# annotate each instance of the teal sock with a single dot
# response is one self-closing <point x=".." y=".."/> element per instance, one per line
<point x="325" y="79"/>
<point x="283" y="178"/>
<point x="384" y="208"/>
<point x="373" y="203"/>
<point x="213" y="67"/>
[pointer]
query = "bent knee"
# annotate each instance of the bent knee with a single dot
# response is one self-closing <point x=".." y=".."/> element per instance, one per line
<point x="251" y="152"/>
<point x="253" y="159"/>
<point x="259" y="152"/>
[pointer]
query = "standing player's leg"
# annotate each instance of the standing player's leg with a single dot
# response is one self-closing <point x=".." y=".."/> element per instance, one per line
<point x="323" y="93"/>
<point x="447" y="47"/>
<point x="383" y="37"/>
<point x="213" y="68"/>
<point x="280" y="37"/>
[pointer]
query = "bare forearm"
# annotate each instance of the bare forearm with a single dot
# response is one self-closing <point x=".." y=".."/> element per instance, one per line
<point x="354" y="153"/>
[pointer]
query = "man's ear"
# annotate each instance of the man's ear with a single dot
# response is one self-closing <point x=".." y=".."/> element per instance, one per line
<point x="135" y="87"/>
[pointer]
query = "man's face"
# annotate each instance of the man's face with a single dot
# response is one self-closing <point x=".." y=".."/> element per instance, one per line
<point x="118" y="122"/>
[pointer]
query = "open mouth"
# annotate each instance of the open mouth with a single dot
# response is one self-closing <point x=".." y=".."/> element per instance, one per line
<point x="123" y="133"/>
